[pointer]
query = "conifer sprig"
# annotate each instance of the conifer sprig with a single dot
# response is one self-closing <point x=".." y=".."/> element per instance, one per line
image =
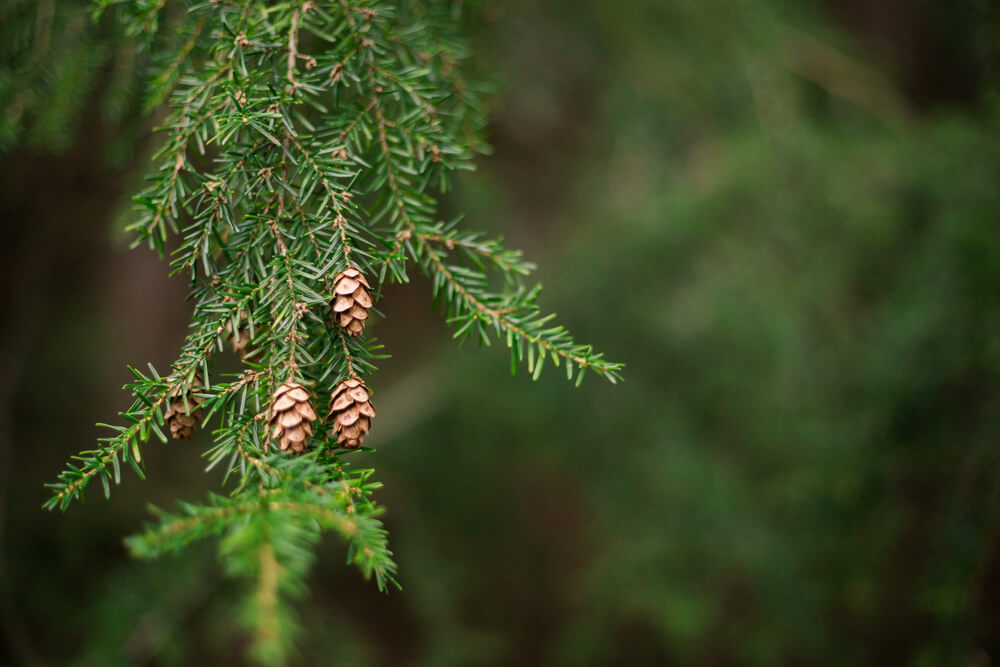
<point x="302" y="153"/>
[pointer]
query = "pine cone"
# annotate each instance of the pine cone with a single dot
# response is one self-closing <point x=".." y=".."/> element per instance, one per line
<point x="351" y="412"/>
<point x="182" y="416"/>
<point x="351" y="300"/>
<point x="292" y="416"/>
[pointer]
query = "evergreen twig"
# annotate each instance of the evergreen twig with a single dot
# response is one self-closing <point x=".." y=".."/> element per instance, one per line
<point x="305" y="138"/>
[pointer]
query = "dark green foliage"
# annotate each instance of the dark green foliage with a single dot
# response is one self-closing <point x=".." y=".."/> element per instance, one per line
<point x="58" y="67"/>
<point x="803" y="466"/>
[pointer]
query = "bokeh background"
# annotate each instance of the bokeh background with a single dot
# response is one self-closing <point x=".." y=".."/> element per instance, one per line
<point x="783" y="216"/>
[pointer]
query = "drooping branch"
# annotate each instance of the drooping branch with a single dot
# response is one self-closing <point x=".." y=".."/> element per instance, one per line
<point x="299" y="168"/>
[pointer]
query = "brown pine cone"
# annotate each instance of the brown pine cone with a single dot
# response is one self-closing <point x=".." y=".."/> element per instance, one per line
<point x="292" y="416"/>
<point x="351" y="300"/>
<point x="351" y="413"/>
<point x="183" y="414"/>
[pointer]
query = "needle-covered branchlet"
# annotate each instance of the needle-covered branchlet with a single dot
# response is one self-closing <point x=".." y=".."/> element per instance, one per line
<point x="351" y="413"/>
<point x="292" y="416"/>
<point x="351" y="301"/>
<point x="299" y="164"/>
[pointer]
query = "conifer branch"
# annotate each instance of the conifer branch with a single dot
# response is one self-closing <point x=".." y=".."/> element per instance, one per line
<point x="304" y="147"/>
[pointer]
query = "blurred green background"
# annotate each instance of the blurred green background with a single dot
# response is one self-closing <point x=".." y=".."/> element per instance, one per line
<point x="783" y="216"/>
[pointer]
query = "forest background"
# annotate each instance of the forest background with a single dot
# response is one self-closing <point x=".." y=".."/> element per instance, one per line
<point x="782" y="216"/>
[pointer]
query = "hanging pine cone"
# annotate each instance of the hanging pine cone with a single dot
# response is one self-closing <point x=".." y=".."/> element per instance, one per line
<point x="292" y="416"/>
<point x="351" y="300"/>
<point x="183" y="414"/>
<point x="351" y="413"/>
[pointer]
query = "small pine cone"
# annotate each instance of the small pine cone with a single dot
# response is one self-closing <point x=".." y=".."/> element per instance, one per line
<point x="292" y="416"/>
<point x="182" y="416"/>
<point x="351" y="413"/>
<point x="351" y="300"/>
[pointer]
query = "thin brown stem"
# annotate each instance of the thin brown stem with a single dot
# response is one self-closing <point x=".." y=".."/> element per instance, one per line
<point x="293" y="51"/>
